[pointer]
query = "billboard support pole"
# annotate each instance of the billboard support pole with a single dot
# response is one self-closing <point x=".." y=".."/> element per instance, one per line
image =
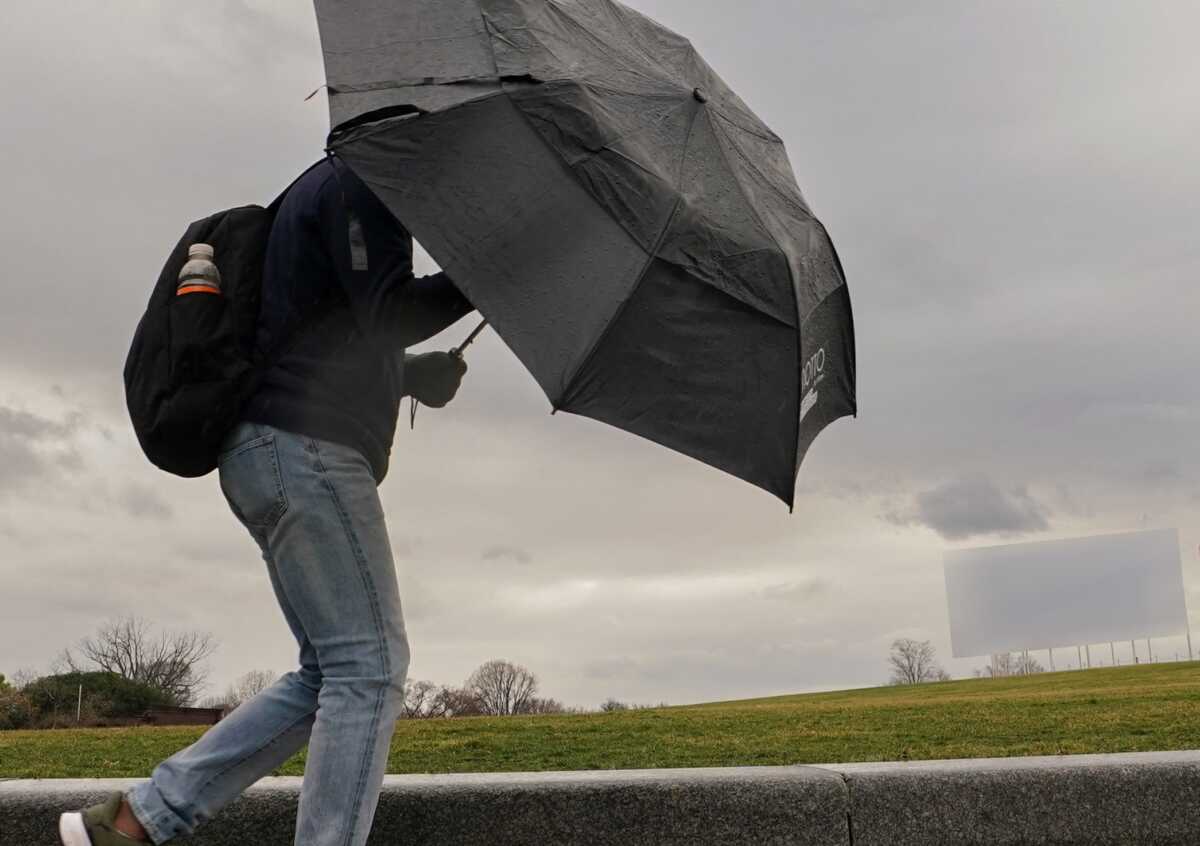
<point x="1112" y="648"/>
<point x="1079" y="649"/>
<point x="1133" y="646"/>
<point x="1087" y="647"/>
<point x="1052" y="659"/>
<point x="1149" y="652"/>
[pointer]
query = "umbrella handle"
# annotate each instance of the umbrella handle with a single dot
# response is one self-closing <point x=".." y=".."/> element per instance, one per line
<point x="457" y="352"/>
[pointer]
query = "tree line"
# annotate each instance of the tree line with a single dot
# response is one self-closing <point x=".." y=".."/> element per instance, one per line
<point x="117" y="673"/>
<point x="125" y="669"/>
<point x="498" y="688"/>
<point x="915" y="662"/>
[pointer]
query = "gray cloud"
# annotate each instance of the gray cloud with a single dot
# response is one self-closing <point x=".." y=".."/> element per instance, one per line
<point x="70" y="459"/>
<point x="28" y="426"/>
<point x="610" y="668"/>
<point x="506" y="553"/>
<point x="974" y="505"/>
<point x="18" y="463"/>
<point x="33" y="446"/>
<point x="143" y="501"/>
<point x="800" y="591"/>
<point x="1163" y="473"/>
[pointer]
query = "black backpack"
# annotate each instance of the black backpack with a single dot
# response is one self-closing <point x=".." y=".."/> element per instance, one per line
<point x="192" y="365"/>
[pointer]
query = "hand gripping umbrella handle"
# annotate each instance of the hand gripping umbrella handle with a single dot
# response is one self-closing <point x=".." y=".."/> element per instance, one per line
<point x="457" y="352"/>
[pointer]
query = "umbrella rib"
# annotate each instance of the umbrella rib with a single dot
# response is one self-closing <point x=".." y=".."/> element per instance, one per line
<point x="771" y="136"/>
<point x="374" y="128"/>
<point x="414" y="82"/>
<point x="564" y="396"/>
<point x="799" y="208"/>
<point x="742" y="192"/>
<point x="795" y="301"/>
<point x="489" y="31"/>
<point x="604" y="46"/>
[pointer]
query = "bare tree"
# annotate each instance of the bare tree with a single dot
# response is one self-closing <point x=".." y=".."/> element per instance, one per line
<point x="171" y="662"/>
<point x="22" y="677"/>
<point x="1009" y="664"/>
<point x="421" y="701"/>
<point x="1027" y="665"/>
<point x="612" y="704"/>
<point x="457" y="702"/>
<point x="247" y="686"/>
<point x="1000" y="666"/>
<point x="503" y="688"/>
<point x="914" y="662"/>
<point x="537" y="705"/>
<point x="425" y="700"/>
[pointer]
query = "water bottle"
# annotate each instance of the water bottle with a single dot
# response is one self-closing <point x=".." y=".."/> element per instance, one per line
<point x="199" y="275"/>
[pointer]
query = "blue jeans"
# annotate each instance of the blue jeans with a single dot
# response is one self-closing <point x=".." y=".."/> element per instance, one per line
<point x="314" y="510"/>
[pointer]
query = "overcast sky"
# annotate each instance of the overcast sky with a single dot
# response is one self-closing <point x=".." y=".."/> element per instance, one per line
<point x="1013" y="189"/>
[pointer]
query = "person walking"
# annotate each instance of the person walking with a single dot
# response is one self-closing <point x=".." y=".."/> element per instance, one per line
<point x="301" y="472"/>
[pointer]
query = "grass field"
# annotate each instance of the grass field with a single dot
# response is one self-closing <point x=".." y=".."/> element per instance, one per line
<point x="1125" y="709"/>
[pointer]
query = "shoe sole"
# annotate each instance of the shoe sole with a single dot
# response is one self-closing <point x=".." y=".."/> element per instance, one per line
<point x="72" y="831"/>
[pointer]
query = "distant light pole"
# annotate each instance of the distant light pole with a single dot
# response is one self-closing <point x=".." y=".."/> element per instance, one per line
<point x="79" y="704"/>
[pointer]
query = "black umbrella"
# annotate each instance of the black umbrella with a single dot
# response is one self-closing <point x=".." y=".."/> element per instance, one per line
<point x="630" y="228"/>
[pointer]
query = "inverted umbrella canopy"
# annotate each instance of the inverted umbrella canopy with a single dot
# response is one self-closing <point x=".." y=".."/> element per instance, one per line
<point x="630" y="228"/>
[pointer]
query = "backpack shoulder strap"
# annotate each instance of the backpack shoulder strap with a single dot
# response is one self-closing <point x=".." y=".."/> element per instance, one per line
<point x="316" y="313"/>
<point x="312" y="316"/>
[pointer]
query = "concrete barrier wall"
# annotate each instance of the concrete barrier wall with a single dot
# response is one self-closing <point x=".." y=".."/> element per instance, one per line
<point x="1149" y="799"/>
<point x="1145" y="798"/>
<point x="679" y="807"/>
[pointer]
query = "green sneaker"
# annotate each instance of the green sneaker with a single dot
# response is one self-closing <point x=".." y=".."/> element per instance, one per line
<point x="93" y="826"/>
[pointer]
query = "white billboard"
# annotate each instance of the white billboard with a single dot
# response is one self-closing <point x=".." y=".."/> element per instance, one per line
<point x="1065" y="593"/>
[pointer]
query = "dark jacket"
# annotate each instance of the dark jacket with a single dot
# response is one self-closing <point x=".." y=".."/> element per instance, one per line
<point x="342" y="378"/>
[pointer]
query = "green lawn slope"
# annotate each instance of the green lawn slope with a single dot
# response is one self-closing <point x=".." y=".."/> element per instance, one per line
<point x="1124" y="709"/>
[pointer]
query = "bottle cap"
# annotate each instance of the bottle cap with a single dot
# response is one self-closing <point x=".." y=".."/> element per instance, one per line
<point x="200" y="251"/>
